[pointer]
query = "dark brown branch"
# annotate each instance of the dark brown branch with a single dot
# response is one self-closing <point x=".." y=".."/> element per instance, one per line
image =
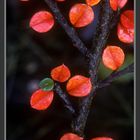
<point x="79" y="123"/>
<point x="101" y="38"/>
<point x="115" y="75"/>
<point x="64" y="98"/>
<point x="87" y="101"/>
<point x="108" y="19"/>
<point x="106" y="22"/>
<point x="68" y="29"/>
<point x="115" y="19"/>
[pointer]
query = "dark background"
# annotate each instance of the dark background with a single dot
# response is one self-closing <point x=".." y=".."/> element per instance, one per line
<point x="30" y="58"/>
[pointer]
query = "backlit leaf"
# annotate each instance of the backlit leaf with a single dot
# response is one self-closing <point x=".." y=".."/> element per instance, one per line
<point x="113" y="57"/>
<point x="81" y="15"/>
<point x="79" y="86"/>
<point x="127" y="19"/>
<point x="115" y="4"/>
<point x="41" y="100"/>
<point x="42" y="21"/>
<point x="70" y="136"/>
<point x="60" y="73"/>
<point x="92" y="2"/>
<point x="46" y="84"/>
<point x="125" y="35"/>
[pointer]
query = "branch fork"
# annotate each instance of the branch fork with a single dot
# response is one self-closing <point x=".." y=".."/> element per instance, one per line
<point x="106" y="22"/>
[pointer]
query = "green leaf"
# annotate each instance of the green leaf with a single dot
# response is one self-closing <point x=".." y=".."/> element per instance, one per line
<point x="46" y="84"/>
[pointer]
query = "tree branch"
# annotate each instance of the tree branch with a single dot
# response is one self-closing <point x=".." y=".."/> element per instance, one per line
<point x="68" y="29"/>
<point x="107" y="81"/>
<point x="106" y="23"/>
<point x="103" y="30"/>
<point x="79" y="123"/>
<point x="115" y="19"/>
<point x="64" y="98"/>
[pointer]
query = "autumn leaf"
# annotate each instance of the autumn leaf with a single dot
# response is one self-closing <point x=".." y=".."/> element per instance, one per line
<point x="117" y="4"/>
<point x="41" y="100"/>
<point x="127" y="19"/>
<point x="125" y="35"/>
<point x="42" y="21"/>
<point x="92" y="2"/>
<point x="70" y="136"/>
<point x="79" y="86"/>
<point x="61" y="73"/>
<point x="81" y="15"/>
<point x="113" y="57"/>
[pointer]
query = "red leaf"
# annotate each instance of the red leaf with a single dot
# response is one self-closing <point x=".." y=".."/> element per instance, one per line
<point x="81" y="15"/>
<point x="79" y="86"/>
<point x="122" y="3"/>
<point x="70" y="136"/>
<point x="60" y="73"/>
<point x="42" y="21"/>
<point x="92" y="2"/>
<point x="127" y="19"/>
<point x="113" y="57"/>
<point x="115" y="4"/>
<point x="102" y="138"/>
<point x="41" y="100"/>
<point x="125" y="35"/>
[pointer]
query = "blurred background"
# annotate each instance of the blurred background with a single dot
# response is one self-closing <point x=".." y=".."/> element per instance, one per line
<point x="30" y="58"/>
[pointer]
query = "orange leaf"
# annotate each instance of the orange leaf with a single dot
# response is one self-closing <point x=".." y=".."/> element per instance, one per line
<point x="127" y="19"/>
<point x="70" y="136"/>
<point x="42" y="21"/>
<point x="79" y="86"/>
<point x="125" y="35"/>
<point x="92" y="2"/>
<point x="60" y="73"/>
<point x="81" y="15"/>
<point x="115" y="4"/>
<point x="113" y="57"/>
<point x="102" y="138"/>
<point x="41" y="100"/>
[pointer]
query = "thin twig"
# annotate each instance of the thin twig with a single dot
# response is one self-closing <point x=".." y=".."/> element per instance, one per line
<point x="68" y="29"/>
<point x="64" y="98"/>
<point x="107" y="81"/>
